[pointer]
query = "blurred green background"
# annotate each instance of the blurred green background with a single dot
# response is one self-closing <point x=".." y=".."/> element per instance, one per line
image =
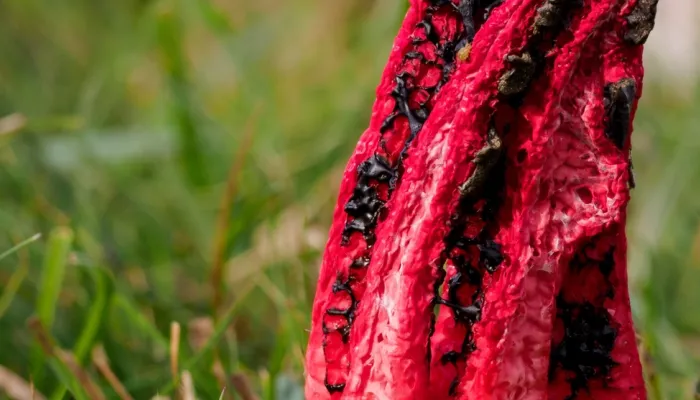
<point x="181" y="161"/>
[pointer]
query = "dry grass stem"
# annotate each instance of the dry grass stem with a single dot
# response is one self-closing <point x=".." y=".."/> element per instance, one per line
<point x="101" y="362"/>
<point x="187" y="386"/>
<point x="49" y="348"/>
<point x="17" y="388"/>
<point x="224" y="215"/>
<point x="174" y="349"/>
<point x="240" y="382"/>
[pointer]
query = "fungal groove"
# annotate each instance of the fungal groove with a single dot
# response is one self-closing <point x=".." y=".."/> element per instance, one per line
<point x="551" y="18"/>
<point x="425" y="68"/>
<point x="480" y="193"/>
<point x="470" y="247"/>
<point x="365" y="204"/>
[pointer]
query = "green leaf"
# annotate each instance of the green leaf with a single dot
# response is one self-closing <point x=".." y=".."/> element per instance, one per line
<point x="95" y="317"/>
<point x="98" y="311"/>
<point x="67" y="379"/>
<point x="174" y="63"/>
<point x="52" y="274"/>
<point x="214" y="339"/>
<point x="51" y="281"/>
<point x="18" y="246"/>
<point x="58" y="364"/>
<point x="15" y="281"/>
<point x="140" y="322"/>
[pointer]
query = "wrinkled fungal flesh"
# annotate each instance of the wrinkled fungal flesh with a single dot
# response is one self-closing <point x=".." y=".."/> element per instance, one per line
<point x="478" y="248"/>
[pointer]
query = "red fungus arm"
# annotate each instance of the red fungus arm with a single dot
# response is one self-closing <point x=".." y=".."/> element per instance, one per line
<point x="420" y="64"/>
<point x="392" y="356"/>
<point x="593" y="306"/>
<point x="563" y="288"/>
<point x="495" y="190"/>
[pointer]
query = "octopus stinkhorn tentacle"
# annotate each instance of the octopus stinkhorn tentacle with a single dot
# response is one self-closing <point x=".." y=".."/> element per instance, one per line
<point x="478" y="247"/>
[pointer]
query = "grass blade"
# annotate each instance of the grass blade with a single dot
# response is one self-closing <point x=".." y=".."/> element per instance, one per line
<point x="223" y="218"/>
<point x="210" y="344"/>
<point x="94" y="320"/>
<point x="243" y="387"/>
<point x="16" y="387"/>
<point x="140" y="322"/>
<point x="51" y="281"/>
<point x="52" y="274"/>
<point x="16" y="279"/>
<point x="19" y="245"/>
<point x="13" y="284"/>
<point x="99" y="359"/>
<point x="187" y="387"/>
<point x="174" y="351"/>
<point x="170" y="39"/>
<point x="62" y="363"/>
<point x="97" y="313"/>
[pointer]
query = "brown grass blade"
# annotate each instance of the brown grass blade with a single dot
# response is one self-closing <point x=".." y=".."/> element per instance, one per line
<point x="240" y="382"/>
<point x="174" y="350"/>
<point x="101" y="362"/>
<point x="12" y="123"/>
<point x="199" y="332"/>
<point x="16" y="388"/>
<point x="224" y="215"/>
<point x="49" y="347"/>
<point x="187" y="387"/>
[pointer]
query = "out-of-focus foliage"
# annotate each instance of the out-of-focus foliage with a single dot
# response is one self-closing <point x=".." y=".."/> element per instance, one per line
<point x="127" y="124"/>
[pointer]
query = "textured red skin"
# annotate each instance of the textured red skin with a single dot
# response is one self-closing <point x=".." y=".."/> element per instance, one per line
<point x="625" y="382"/>
<point x="549" y="220"/>
<point x="389" y="357"/>
<point x="546" y="218"/>
<point x="327" y="355"/>
<point x="335" y="257"/>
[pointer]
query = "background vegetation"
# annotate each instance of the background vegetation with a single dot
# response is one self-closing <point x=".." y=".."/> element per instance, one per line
<point x="128" y="126"/>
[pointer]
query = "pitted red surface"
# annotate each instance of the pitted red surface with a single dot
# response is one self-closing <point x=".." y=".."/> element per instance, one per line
<point x="561" y="211"/>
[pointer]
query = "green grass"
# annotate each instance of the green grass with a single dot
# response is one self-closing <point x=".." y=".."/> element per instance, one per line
<point x="144" y="117"/>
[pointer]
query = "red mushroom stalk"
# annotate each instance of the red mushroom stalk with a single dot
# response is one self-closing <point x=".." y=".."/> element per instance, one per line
<point x="478" y="247"/>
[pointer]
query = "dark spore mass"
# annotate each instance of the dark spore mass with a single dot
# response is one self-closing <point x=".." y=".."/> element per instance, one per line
<point x="485" y="160"/>
<point x="348" y="314"/>
<point x="619" y="98"/>
<point x="585" y="351"/>
<point x="377" y="168"/>
<point x="364" y="204"/>
<point x="517" y="79"/>
<point x="489" y="6"/>
<point x="400" y="94"/>
<point x="450" y="357"/>
<point x="640" y="22"/>
<point x="491" y="256"/>
<point x="589" y="339"/>
<point x="466" y="10"/>
<point x="552" y="17"/>
<point x="360" y="262"/>
<point x="472" y="255"/>
<point x="333" y="388"/>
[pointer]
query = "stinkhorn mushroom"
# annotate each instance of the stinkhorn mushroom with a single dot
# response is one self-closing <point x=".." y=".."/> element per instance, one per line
<point x="478" y="248"/>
